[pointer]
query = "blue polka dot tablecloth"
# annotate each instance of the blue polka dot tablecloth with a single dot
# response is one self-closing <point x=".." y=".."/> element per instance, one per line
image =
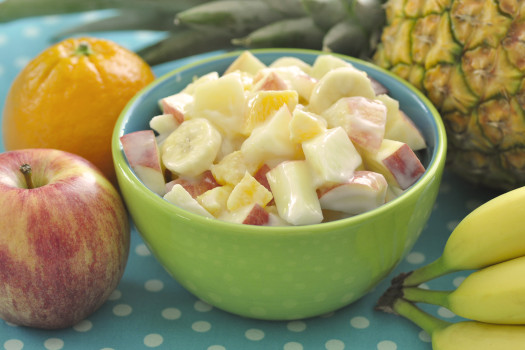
<point x="150" y="310"/>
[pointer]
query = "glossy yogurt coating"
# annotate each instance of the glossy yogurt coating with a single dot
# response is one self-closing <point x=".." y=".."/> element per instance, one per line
<point x="282" y="144"/>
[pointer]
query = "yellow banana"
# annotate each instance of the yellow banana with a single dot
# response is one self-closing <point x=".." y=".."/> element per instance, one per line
<point x="495" y="294"/>
<point x="492" y="233"/>
<point x="464" y="335"/>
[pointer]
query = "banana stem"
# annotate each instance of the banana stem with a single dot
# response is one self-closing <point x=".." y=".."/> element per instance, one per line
<point x="426" y="273"/>
<point x="419" y="295"/>
<point x="425" y="321"/>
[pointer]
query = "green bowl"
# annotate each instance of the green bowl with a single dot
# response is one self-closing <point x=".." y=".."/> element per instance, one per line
<point x="280" y="273"/>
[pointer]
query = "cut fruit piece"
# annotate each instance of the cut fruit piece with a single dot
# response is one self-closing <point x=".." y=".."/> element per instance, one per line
<point x="399" y="126"/>
<point x="339" y="83"/>
<point x="214" y="200"/>
<point x="366" y="190"/>
<point x="190" y="89"/>
<point x="182" y="199"/>
<point x="191" y="148"/>
<point x="274" y="218"/>
<point x="331" y="156"/>
<point x="305" y="125"/>
<point x="397" y="162"/>
<point x="289" y="61"/>
<point x="363" y="120"/>
<point x="293" y="77"/>
<point x="141" y="150"/>
<point x="294" y="193"/>
<point x="271" y="142"/>
<point x="265" y="104"/>
<point x="232" y="168"/>
<point x="195" y="185"/>
<point x="247" y="192"/>
<point x="249" y="215"/>
<point x="222" y="102"/>
<point x="177" y="105"/>
<point x="392" y="193"/>
<point x="246" y="62"/>
<point x="268" y="81"/>
<point x="326" y="63"/>
<point x="164" y="125"/>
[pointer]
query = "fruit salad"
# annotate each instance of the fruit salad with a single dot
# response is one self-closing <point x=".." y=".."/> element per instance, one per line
<point x="288" y="143"/>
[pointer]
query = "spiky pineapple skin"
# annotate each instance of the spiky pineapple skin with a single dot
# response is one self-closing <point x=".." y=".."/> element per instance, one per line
<point x="468" y="57"/>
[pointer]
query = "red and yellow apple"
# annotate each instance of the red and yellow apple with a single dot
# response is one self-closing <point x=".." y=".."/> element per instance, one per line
<point x="64" y="238"/>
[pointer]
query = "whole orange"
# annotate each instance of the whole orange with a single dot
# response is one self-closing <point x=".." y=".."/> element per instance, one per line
<point x="70" y="96"/>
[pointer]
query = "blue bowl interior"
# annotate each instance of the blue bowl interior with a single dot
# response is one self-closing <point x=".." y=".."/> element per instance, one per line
<point x="145" y="106"/>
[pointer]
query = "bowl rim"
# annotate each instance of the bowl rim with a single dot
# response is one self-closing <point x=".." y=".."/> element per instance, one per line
<point x="436" y="163"/>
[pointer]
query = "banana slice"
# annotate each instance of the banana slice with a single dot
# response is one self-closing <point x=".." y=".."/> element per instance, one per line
<point x="191" y="148"/>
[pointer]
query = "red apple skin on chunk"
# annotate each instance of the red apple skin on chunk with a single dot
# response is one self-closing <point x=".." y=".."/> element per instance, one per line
<point x="364" y="191"/>
<point x="405" y="166"/>
<point x="64" y="243"/>
<point x="257" y="216"/>
<point x="142" y="152"/>
<point x="195" y="186"/>
<point x="175" y="105"/>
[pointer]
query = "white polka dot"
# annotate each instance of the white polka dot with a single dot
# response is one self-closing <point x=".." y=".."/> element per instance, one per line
<point x="444" y="312"/>
<point x="13" y="344"/>
<point x="424" y="336"/>
<point x="21" y="61"/>
<point x="360" y="322"/>
<point x="296" y="326"/>
<point x="458" y="280"/>
<point x="122" y="310"/>
<point x="153" y="340"/>
<point x="154" y="285"/>
<point x="216" y="347"/>
<point x="415" y="258"/>
<point x="142" y="250"/>
<point x="334" y="344"/>
<point x="202" y="306"/>
<point x="54" y="344"/>
<point x="171" y="313"/>
<point x="254" y="334"/>
<point x="292" y="346"/>
<point x="107" y="349"/>
<point x="83" y="326"/>
<point x="386" y="345"/>
<point x="10" y="324"/>
<point x="115" y="295"/>
<point x="201" y="326"/>
<point x="423" y="286"/>
<point x="31" y="32"/>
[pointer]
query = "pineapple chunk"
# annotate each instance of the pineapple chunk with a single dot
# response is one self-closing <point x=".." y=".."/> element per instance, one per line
<point x="264" y="105"/>
<point x="232" y="168"/>
<point x="215" y="199"/>
<point x="305" y="125"/>
<point x="270" y="142"/>
<point x="331" y="156"/>
<point x="246" y="62"/>
<point x="294" y="193"/>
<point x="247" y="192"/>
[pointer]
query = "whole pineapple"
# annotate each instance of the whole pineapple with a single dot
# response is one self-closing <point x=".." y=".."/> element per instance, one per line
<point x="468" y="57"/>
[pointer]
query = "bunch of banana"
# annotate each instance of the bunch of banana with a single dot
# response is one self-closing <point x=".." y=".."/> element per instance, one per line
<point x="491" y="241"/>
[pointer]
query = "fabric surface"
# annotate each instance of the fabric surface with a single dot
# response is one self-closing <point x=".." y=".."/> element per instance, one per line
<point x="151" y="310"/>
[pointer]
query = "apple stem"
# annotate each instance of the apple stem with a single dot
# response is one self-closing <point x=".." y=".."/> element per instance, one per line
<point x="26" y="171"/>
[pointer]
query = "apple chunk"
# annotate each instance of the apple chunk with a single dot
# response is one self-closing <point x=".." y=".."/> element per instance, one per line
<point x="195" y="185"/>
<point x="331" y="156"/>
<point x="399" y="126"/>
<point x="397" y="162"/>
<point x="183" y="199"/>
<point x="246" y="62"/>
<point x="294" y="193"/>
<point x="363" y="119"/>
<point x="142" y="152"/>
<point x="176" y="105"/>
<point x="364" y="191"/>
<point x="249" y="215"/>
